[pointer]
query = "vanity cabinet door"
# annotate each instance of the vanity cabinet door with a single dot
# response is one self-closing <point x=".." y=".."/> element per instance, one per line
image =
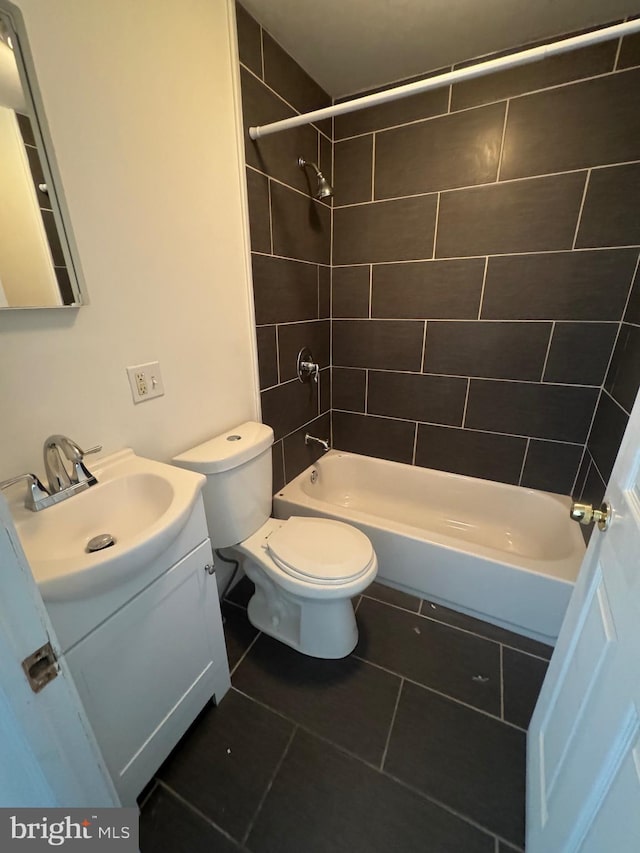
<point x="145" y="673"/>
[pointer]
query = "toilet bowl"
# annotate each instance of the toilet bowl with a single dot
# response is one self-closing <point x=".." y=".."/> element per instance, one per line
<point x="306" y="570"/>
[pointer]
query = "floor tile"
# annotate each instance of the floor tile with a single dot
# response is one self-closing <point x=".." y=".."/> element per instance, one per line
<point x="166" y="824"/>
<point x="431" y="653"/>
<point x="508" y="848"/>
<point x="323" y="801"/>
<point x="392" y="596"/>
<point x="239" y="633"/>
<point x="485" y="629"/>
<point x="465" y="759"/>
<point x="225" y="762"/>
<point x="523" y="677"/>
<point x="346" y="701"/>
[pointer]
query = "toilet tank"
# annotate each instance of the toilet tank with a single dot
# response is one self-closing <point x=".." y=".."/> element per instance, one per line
<point x="237" y="494"/>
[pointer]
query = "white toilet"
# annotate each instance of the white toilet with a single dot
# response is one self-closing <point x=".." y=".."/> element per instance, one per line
<point x="305" y="570"/>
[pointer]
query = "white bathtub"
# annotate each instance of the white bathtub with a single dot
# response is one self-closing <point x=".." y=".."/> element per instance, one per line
<point x="502" y="553"/>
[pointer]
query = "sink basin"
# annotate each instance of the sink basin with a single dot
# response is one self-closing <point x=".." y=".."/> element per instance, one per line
<point x="141" y="503"/>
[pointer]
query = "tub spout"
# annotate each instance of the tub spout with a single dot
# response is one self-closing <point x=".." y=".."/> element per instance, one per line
<point x="311" y="439"/>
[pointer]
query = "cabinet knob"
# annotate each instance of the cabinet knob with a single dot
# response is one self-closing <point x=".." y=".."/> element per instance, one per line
<point x="210" y="569"/>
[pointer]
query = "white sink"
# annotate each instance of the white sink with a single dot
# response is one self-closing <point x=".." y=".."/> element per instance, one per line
<point x="141" y="503"/>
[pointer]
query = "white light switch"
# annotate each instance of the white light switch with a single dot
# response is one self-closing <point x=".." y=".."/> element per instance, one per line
<point x="145" y="381"/>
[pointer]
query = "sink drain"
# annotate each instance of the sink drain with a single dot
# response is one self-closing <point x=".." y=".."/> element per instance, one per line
<point x="99" y="543"/>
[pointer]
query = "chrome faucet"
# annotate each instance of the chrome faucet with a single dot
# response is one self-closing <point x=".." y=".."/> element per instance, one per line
<point x="311" y="439"/>
<point x="62" y="483"/>
<point x="58" y="477"/>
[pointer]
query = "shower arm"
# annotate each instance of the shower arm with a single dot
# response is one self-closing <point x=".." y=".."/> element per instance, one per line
<point x="522" y="57"/>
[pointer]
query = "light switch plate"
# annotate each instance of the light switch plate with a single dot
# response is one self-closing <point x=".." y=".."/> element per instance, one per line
<point x="145" y="381"/>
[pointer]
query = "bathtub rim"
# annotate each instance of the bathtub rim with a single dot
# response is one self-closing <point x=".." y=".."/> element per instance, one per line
<point x="569" y="565"/>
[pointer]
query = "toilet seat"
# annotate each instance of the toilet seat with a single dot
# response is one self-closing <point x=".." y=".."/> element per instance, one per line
<point x="320" y="550"/>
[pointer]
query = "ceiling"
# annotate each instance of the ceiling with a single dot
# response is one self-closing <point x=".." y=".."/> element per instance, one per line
<point x="351" y="45"/>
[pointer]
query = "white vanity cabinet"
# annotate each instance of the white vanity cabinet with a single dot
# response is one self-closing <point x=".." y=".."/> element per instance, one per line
<point x="147" y="671"/>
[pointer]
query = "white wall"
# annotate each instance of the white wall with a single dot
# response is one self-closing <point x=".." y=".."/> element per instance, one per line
<point x="141" y="100"/>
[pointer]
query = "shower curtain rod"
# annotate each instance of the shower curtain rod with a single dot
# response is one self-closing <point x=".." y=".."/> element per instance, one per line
<point x="533" y="54"/>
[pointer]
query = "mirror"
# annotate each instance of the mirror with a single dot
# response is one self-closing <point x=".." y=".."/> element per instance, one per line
<point x="37" y="268"/>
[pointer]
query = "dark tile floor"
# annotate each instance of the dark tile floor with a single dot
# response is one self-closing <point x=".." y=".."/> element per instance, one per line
<point x="414" y="743"/>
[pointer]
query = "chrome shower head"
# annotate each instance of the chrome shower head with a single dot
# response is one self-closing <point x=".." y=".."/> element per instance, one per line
<point x="324" y="189"/>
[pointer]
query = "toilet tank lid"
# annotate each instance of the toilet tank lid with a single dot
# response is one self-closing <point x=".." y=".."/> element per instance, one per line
<point x="226" y="451"/>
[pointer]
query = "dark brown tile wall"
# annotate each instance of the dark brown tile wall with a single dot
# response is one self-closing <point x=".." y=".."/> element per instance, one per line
<point x="501" y="219"/>
<point x="291" y="245"/>
<point x="484" y="243"/>
<point x="46" y="212"/>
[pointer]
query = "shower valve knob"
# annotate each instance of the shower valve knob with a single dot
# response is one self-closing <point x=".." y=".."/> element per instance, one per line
<point x="306" y="368"/>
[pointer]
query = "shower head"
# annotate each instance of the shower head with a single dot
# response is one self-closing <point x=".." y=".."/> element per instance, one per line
<point x="324" y="190"/>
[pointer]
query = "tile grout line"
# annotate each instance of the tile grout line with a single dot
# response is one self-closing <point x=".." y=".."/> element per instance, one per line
<point x="501" y="682"/>
<point x="270" y="216"/>
<point x="617" y="57"/>
<point x="424" y="346"/>
<point x="606" y="373"/>
<point x="440" y="803"/>
<point x="393" y="719"/>
<point x="366" y="391"/>
<point x="447" y="426"/>
<point x="140" y="805"/>
<point x="280" y="98"/>
<point x="454" y="627"/>
<point x="442" y="695"/>
<point x="277" y="325"/>
<point x="524" y="460"/>
<point x="307" y="730"/>
<point x="452" y="375"/>
<point x="435" y="228"/>
<point x="484" y="281"/>
<point x="397" y="262"/>
<point x="501" y="183"/>
<point x="245" y="653"/>
<point x="466" y="400"/>
<point x="546" y="357"/>
<point x="246" y="835"/>
<point x="504" y="133"/>
<point x="373" y="167"/>
<point x="196" y="811"/>
<point x="284" y="462"/>
<point x="582" y="201"/>
<point x="415" y="445"/>
<point x="342" y="749"/>
<point x="574" y="486"/>
<point x="370" y="290"/>
<point x="261" y="55"/>
<point x="611" y="73"/>
<point x="618" y="404"/>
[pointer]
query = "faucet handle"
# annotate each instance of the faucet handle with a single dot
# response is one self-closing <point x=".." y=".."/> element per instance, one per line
<point x="95" y="449"/>
<point x="36" y="492"/>
<point x="81" y="473"/>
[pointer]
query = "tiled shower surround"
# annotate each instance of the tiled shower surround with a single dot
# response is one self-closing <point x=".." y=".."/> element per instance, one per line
<point x="484" y="242"/>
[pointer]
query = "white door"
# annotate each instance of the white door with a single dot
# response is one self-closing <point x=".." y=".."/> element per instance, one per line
<point x="583" y="765"/>
<point x="48" y="754"/>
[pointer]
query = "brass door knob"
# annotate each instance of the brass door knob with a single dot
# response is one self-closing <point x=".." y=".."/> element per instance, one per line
<point x="585" y="514"/>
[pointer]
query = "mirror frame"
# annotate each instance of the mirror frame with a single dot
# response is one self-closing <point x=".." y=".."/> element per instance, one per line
<point x="26" y="71"/>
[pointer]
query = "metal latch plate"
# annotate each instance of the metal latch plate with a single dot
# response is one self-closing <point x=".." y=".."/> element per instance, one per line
<point x="41" y="667"/>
